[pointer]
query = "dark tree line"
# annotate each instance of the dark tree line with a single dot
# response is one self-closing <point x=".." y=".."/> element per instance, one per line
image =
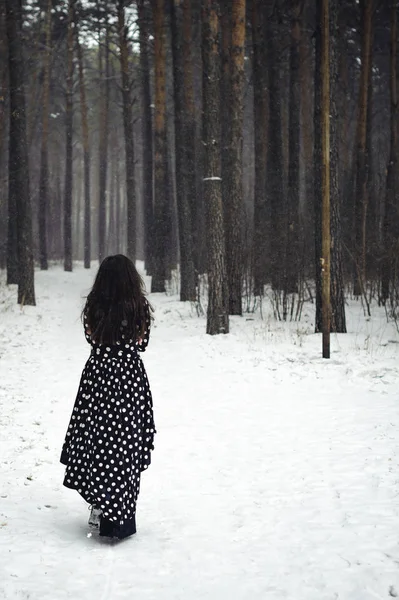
<point x="194" y="134"/>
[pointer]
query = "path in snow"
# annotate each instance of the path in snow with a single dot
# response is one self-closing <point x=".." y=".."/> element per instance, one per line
<point x="275" y="473"/>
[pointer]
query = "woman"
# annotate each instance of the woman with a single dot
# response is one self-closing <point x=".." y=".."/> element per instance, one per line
<point x="111" y="432"/>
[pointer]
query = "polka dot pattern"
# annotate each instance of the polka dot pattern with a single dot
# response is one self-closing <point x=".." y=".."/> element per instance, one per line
<point x="111" y="432"/>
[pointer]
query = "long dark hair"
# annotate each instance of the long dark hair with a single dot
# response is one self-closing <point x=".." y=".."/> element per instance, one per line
<point x="116" y="308"/>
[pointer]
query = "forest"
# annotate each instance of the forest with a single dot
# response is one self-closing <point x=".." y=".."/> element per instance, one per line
<point x="251" y="147"/>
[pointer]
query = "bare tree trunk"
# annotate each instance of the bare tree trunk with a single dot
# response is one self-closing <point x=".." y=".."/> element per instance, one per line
<point x="86" y="159"/>
<point x="44" y="170"/>
<point x="345" y="142"/>
<point x="275" y="159"/>
<point x="338" y="320"/>
<point x="306" y="75"/>
<point x="161" y="220"/>
<point x="187" y="273"/>
<point x="361" y="163"/>
<point x="12" y="225"/>
<point x="292" y="225"/>
<point x="69" y="135"/>
<point x="103" y="145"/>
<point x="391" y="219"/>
<point x="261" y="244"/>
<point x="234" y="208"/>
<point x="325" y="174"/>
<point x="143" y="18"/>
<point x="317" y="161"/>
<point x="128" y="133"/>
<point x="217" y="317"/>
<point x="225" y="108"/>
<point x="3" y="160"/>
<point x="370" y="218"/>
<point x="19" y="196"/>
<point x="118" y="200"/>
<point x="195" y="199"/>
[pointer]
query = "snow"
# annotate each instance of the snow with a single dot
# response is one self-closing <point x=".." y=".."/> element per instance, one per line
<point x="275" y="472"/>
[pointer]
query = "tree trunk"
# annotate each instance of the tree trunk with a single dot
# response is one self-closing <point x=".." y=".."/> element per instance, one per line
<point x="103" y="144"/>
<point x="275" y="159"/>
<point x="128" y="132"/>
<point x="361" y="163"/>
<point x="217" y="315"/>
<point x="118" y="200"/>
<point x="345" y="142"/>
<point x="261" y="244"/>
<point x="187" y="274"/>
<point x="143" y="18"/>
<point x="44" y="170"/>
<point x="190" y="129"/>
<point x="371" y="218"/>
<point x="317" y="161"/>
<point x="18" y="186"/>
<point x="338" y="320"/>
<point x="86" y="159"/>
<point x="234" y="208"/>
<point x="3" y="129"/>
<point x="225" y="109"/>
<point x="325" y="174"/>
<point x="306" y="78"/>
<point x="292" y="224"/>
<point x="161" y="209"/>
<point x="391" y="218"/>
<point x="69" y="139"/>
<point x="12" y="225"/>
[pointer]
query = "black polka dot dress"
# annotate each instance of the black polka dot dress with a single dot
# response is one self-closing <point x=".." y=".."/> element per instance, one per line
<point x="111" y="433"/>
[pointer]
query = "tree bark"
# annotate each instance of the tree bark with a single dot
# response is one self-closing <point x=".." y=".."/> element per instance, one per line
<point x="317" y="161"/>
<point x="44" y="170"/>
<point x="128" y="133"/>
<point x="187" y="272"/>
<point x="18" y="186"/>
<point x="391" y="218"/>
<point x="3" y="118"/>
<point x="338" y="319"/>
<point x="86" y="158"/>
<point x="306" y="78"/>
<point x="325" y="174"/>
<point x="144" y="41"/>
<point x="261" y="244"/>
<point x="12" y="225"/>
<point x="275" y="159"/>
<point x="294" y="110"/>
<point x="234" y="199"/>
<point x="161" y="220"/>
<point x="371" y="217"/>
<point x="69" y="139"/>
<point x="103" y="143"/>
<point x="361" y="163"/>
<point x="217" y="314"/>
<point x="190" y="128"/>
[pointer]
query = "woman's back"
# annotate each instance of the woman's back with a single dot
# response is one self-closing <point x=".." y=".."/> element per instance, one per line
<point x="111" y="432"/>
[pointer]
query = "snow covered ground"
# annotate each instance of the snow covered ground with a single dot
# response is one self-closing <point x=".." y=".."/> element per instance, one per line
<point x="275" y="473"/>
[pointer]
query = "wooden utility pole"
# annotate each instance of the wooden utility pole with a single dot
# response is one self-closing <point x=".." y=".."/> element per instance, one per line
<point x="325" y="175"/>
